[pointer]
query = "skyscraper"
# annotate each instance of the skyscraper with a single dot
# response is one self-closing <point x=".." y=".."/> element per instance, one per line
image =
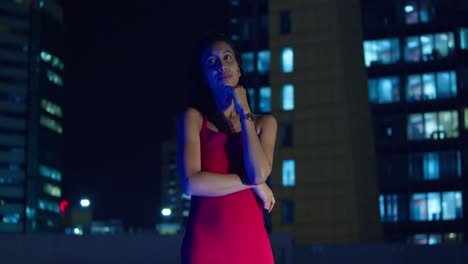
<point x="416" y="59"/>
<point x="304" y="59"/>
<point x="31" y="115"/>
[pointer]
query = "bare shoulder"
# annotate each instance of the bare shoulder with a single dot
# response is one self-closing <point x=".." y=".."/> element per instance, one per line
<point x="192" y="117"/>
<point x="265" y="122"/>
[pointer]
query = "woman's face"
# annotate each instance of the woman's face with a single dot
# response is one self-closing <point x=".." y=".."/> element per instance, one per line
<point x="220" y="66"/>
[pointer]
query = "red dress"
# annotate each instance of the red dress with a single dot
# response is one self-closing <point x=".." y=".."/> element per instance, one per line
<point x="230" y="228"/>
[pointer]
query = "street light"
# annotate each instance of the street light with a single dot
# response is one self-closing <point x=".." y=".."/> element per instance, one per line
<point x="85" y="203"/>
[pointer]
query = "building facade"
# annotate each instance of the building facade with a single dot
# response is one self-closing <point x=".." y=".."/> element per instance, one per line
<point x="31" y="115"/>
<point x="416" y="58"/>
<point x="323" y="176"/>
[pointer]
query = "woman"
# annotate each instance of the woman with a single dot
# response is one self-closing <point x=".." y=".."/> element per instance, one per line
<point x="225" y="157"/>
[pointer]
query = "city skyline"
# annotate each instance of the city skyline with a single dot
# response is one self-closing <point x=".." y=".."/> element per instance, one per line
<point x="125" y="70"/>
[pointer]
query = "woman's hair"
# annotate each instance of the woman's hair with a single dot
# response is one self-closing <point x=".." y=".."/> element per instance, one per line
<point x="200" y="95"/>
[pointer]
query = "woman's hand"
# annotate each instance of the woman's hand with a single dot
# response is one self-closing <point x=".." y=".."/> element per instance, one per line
<point x="240" y="99"/>
<point x="266" y="195"/>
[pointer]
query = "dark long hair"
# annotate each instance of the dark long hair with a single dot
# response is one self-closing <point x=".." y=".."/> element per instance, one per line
<point x="200" y="95"/>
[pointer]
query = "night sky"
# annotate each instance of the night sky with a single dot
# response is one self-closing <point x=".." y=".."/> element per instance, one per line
<point x="125" y="77"/>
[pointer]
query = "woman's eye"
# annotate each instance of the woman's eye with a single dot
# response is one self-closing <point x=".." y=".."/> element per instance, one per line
<point x="228" y="57"/>
<point x="210" y="61"/>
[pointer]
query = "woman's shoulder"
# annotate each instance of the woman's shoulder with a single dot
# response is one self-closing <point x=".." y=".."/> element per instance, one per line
<point x="265" y="120"/>
<point x="191" y="115"/>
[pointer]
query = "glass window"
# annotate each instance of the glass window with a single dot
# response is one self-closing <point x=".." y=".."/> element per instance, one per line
<point x="248" y="61"/>
<point x="287" y="134"/>
<point x="53" y="190"/>
<point x="434" y="239"/>
<point x="382" y="207"/>
<point x="448" y="124"/>
<point x="427" y="46"/>
<point x="466" y="118"/>
<point x="51" y="108"/>
<point x="434" y="165"/>
<point x="392" y="208"/>
<point x="381" y="51"/>
<point x="287" y="95"/>
<point x="463" y="38"/>
<point x="444" y="45"/>
<point x="251" y="94"/>
<point x="285" y="22"/>
<point x="49" y="172"/>
<point x="51" y="124"/>
<point x="452" y="205"/>
<point x="433" y="125"/>
<point x="412" y="49"/>
<point x="54" y="78"/>
<point x="287" y="60"/>
<point x="288" y="212"/>
<point x="430" y="86"/>
<point x="384" y="90"/>
<point x="411" y="12"/>
<point x="265" y="99"/>
<point x="289" y="173"/>
<point x="433" y="206"/>
<point x="418" y="207"/>
<point x="415" y="127"/>
<point x="446" y="84"/>
<point x="263" y="62"/>
<point x="414" y="88"/>
<point x="430" y="125"/>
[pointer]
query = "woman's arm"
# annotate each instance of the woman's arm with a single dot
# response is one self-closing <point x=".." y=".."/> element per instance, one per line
<point x="258" y="150"/>
<point x="194" y="181"/>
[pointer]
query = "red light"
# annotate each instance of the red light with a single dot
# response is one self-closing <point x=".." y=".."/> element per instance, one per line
<point x="63" y="205"/>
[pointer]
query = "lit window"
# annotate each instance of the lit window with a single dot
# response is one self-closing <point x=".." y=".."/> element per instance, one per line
<point x="427" y="239"/>
<point x="463" y="38"/>
<point x="51" y="124"/>
<point x="287" y="134"/>
<point x="248" y="61"/>
<point x="434" y="125"/>
<point x="251" y="94"/>
<point x="51" y="108"/>
<point x="436" y="206"/>
<point x="418" y="207"/>
<point x="384" y="90"/>
<point x="52" y="60"/>
<point x="430" y="86"/>
<point x="389" y="207"/>
<point x="289" y="173"/>
<point x="382" y="207"/>
<point x="50" y="173"/>
<point x="429" y="47"/>
<point x="54" y="78"/>
<point x="235" y="2"/>
<point x="263" y="62"/>
<point x="285" y="22"/>
<point x="47" y="205"/>
<point x="288" y="212"/>
<point x="433" y="206"/>
<point x="288" y="97"/>
<point x="265" y="99"/>
<point x="418" y="11"/>
<point x="432" y="165"/>
<point x="287" y="60"/>
<point x="452" y="205"/>
<point x="53" y="190"/>
<point x="466" y="118"/>
<point x="381" y="51"/>
<point x="10" y="218"/>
